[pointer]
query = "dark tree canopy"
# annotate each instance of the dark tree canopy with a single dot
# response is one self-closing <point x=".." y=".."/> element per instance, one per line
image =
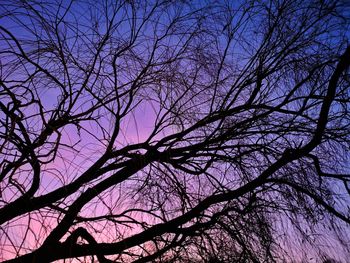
<point x="174" y="131"/>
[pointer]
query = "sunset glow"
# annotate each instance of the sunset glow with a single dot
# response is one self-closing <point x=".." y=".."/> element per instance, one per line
<point x="174" y="131"/>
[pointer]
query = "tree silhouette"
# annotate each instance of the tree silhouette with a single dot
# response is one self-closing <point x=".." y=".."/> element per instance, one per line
<point x="173" y="131"/>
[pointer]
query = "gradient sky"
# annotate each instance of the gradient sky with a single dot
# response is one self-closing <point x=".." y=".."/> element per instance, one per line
<point x="89" y="141"/>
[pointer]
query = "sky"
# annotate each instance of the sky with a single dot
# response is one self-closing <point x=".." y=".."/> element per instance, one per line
<point x="81" y="145"/>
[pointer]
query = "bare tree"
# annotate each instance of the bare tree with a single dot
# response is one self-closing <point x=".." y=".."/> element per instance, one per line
<point x="174" y="131"/>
